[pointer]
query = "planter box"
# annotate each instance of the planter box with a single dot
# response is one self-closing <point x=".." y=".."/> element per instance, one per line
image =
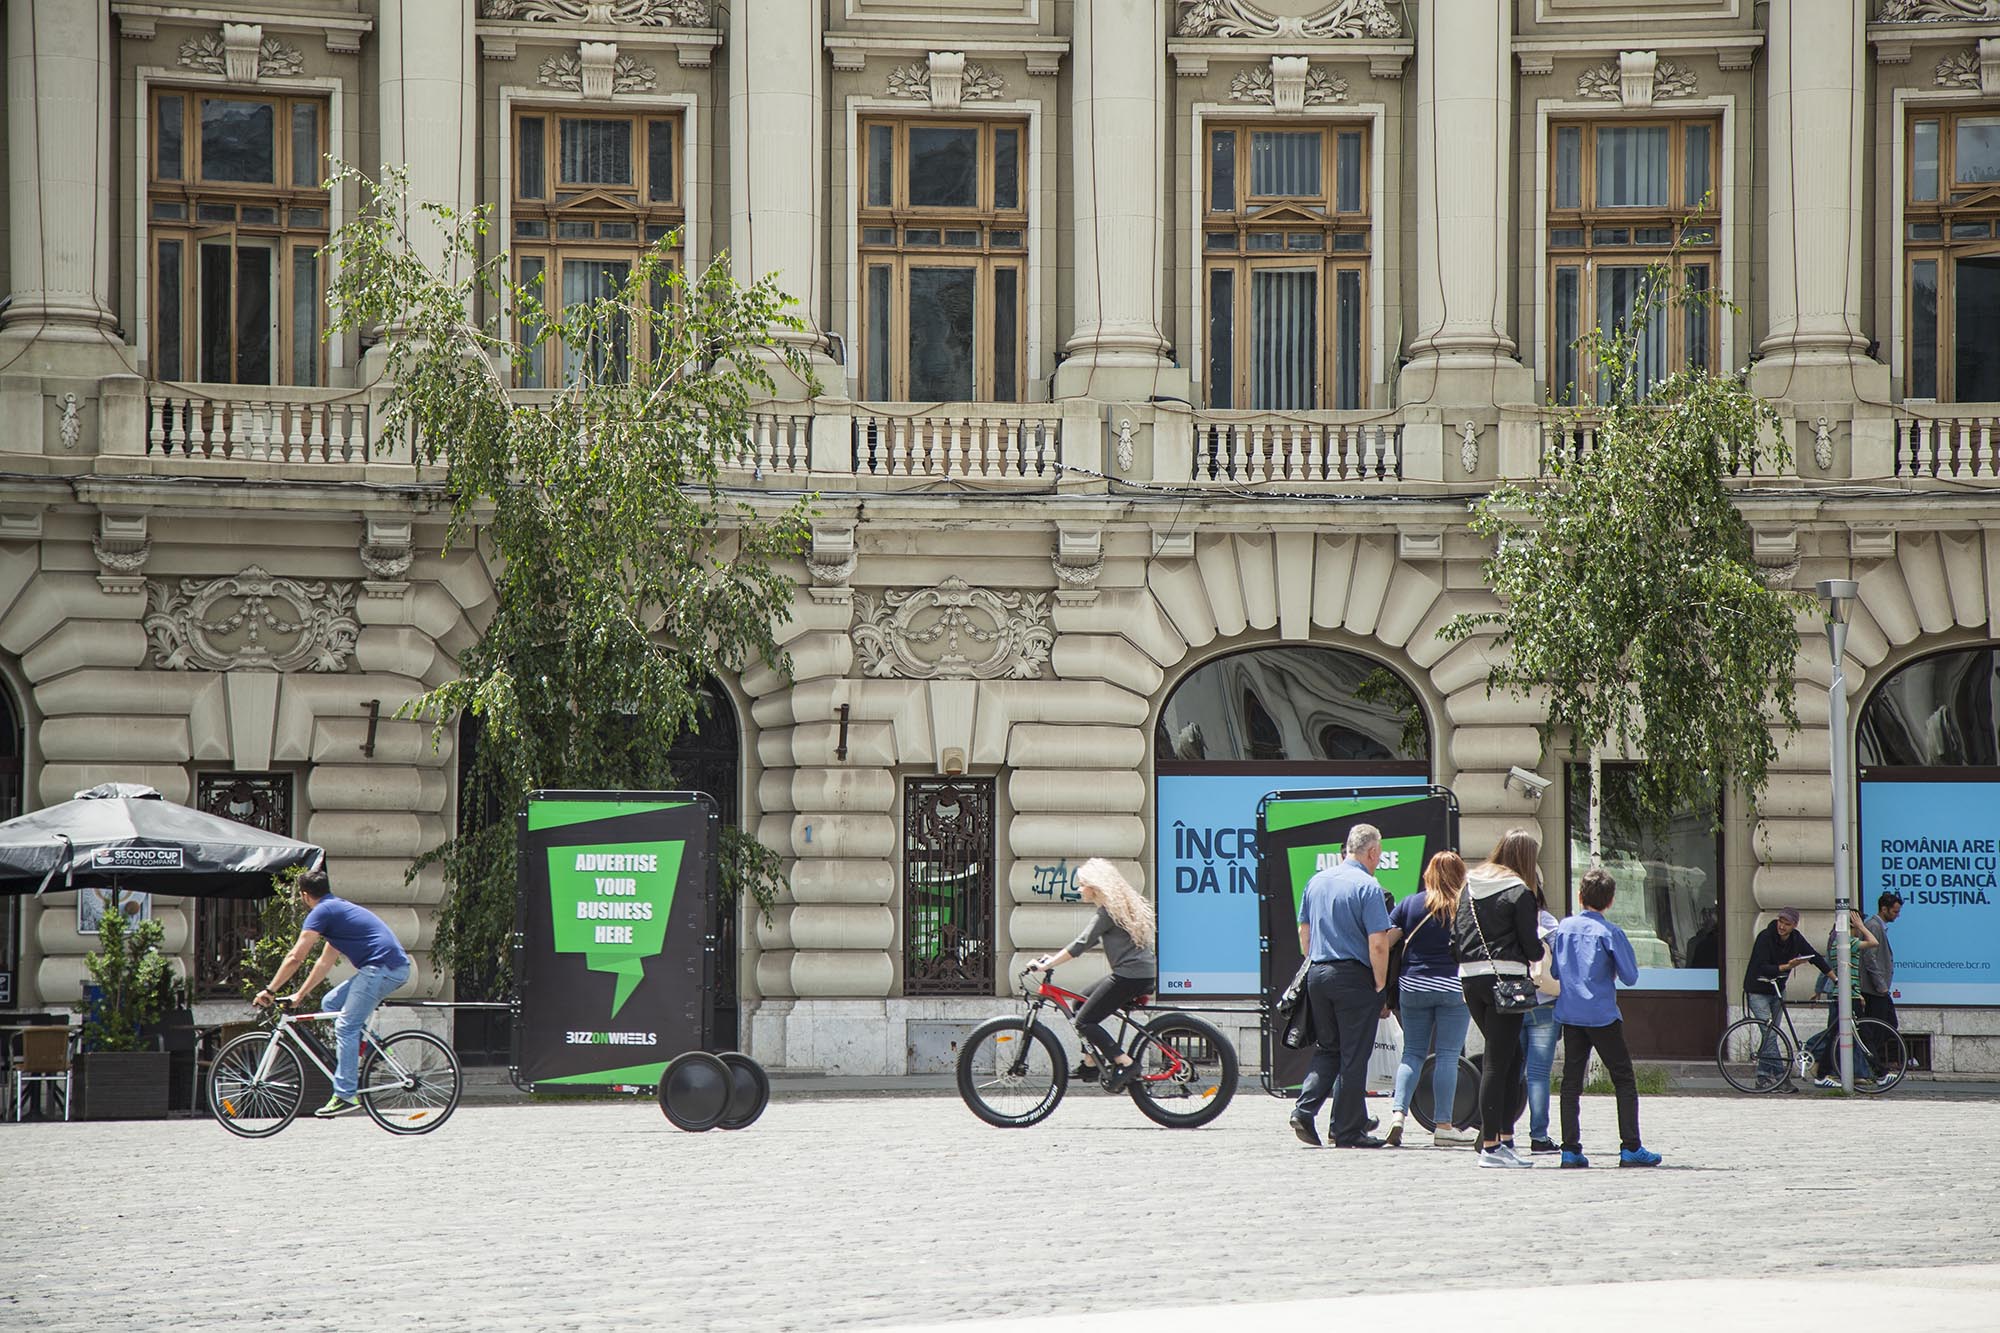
<point x="122" y="1085"/>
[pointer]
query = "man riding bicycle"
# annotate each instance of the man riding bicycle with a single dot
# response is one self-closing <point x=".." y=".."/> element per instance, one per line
<point x="352" y="932"/>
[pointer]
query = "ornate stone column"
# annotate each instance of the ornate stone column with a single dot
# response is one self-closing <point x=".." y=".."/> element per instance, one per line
<point x="60" y="58"/>
<point x="1816" y="66"/>
<point x="1464" y="206"/>
<point x="429" y="105"/>
<point x="777" y="98"/>
<point x="1117" y="350"/>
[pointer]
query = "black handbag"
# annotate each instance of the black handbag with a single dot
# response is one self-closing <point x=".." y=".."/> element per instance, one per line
<point x="1294" y="1013"/>
<point x="1511" y="994"/>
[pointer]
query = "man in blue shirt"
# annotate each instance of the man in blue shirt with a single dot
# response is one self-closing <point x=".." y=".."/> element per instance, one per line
<point x="1590" y="956"/>
<point x="1344" y="931"/>
<point x="380" y="967"/>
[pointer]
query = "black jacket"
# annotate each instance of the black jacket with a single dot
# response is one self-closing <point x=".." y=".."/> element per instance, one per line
<point x="1769" y="954"/>
<point x="1502" y="909"/>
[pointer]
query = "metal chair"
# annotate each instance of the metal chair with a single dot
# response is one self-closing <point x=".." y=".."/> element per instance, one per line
<point x="44" y="1059"/>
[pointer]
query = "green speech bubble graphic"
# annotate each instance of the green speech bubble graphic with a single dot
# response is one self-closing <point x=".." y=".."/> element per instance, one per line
<point x="610" y="901"/>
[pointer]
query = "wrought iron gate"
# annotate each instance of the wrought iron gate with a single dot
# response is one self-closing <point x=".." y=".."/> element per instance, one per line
<point x="948" y="855"/>
<point x="225" y="927"/>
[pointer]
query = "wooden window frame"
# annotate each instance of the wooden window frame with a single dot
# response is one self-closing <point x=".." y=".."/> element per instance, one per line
<point x="282" y="235"/>
<point x="1589" y="256"/>
<point x="1981" y="204"/>
<point x="595" y="204"/>
<point x="1285" y="214"/>
<point x="900" y="256"/>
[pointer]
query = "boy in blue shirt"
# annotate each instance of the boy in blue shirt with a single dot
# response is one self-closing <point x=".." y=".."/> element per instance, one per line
<point x="1589" y="956"/>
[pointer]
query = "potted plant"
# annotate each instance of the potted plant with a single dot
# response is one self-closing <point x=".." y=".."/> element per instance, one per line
<point x="117" y="1076"/>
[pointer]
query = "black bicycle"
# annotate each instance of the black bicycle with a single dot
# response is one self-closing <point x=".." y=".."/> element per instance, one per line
<point x="1012" y="1073"/>
<point x="1757" y="1055"/>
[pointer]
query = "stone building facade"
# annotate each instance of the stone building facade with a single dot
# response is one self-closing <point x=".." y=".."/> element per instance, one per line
<point x="1157" y="335"/>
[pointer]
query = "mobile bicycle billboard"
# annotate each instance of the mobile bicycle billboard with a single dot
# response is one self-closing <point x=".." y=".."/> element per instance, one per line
<point x="615" y="935"/>
<point x="1300" y="833"/>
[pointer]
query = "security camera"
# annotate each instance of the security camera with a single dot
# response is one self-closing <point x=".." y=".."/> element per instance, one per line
<point x="1532" y="785"/>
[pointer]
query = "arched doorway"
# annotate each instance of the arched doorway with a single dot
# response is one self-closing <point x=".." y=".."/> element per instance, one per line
<point x="1928" y="758"/>
<point x="13" y="780"/>
<point x="1234" y="729"/>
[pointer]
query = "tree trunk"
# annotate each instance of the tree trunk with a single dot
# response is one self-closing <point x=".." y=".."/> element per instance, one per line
<point x="1596" y="808"/>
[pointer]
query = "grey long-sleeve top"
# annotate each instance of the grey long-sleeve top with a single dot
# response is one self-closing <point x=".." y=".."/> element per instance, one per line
<point x="1128" y="958"/>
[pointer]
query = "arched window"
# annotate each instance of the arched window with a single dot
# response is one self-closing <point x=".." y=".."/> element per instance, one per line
<point x="1234" y="730"/>
<point x="1936" y="712"/>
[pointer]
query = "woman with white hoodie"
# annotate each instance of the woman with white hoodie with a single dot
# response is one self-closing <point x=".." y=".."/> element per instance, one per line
<point x="1494" y="933"/>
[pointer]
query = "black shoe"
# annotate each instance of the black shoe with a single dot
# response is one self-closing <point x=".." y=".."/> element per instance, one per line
<point x="1307" y="1131"/>
<point x="1365" y="1141"/>
<point x="1371" y="1125"/>
<point x="1120" y="1075"/>
<point x="1084" y="1073"/>
<point x="1543" y="1146"/>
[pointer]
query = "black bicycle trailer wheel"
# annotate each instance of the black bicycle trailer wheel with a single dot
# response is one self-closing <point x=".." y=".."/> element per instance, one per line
<point x="694" y="1091"/>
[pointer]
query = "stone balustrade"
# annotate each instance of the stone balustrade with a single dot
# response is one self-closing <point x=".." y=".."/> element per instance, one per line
<point x="997" y="442"/>
<point x="1307" y="448"/>
<point x="222" y="423"/>
<point x="1961" y="448"/>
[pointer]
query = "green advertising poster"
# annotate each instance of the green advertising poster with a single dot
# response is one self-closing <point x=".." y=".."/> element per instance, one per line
<point x="616" y="920"/>
<point x="1300" y="834"/>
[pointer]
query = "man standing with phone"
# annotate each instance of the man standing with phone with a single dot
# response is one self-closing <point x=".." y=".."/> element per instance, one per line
<point x="1344" y="931"/>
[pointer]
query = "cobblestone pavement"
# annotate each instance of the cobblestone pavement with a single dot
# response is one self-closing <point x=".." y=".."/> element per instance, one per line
<point x="903" y="1210"/>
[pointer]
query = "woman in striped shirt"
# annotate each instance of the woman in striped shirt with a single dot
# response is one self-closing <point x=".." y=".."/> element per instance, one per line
<point x="1433" y="1010"/>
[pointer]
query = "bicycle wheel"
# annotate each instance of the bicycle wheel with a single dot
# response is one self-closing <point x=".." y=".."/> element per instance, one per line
<point x="1755" y="1056"/>
<point x="253" y="1107"/>
<point x="1012" y="1075"/>
<point x="1887" y="1054"/>
<point x="1186" y="1071"/>
<point x="409" y="1083"/>
<point x="1464" y="1098"/>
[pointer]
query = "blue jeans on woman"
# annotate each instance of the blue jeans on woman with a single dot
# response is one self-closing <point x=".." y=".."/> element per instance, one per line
<point x="356" y="998"/>
<point x="1539" y="1034"/>
<point x="1430" y="1018"/>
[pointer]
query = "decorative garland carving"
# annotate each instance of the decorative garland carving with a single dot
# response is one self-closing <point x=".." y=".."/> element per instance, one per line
<point x="923" y="634"/>
<point x="253" y="620"/>
<point x="1959" y="71"/>
<point x="1606" y="82"/>
<point x="604" y="13"/>
<point x="1239" y="18"/>
<point x="627" y="75"/>
<point x="208" y="53"/>
<point x="1936" y="11"/>
<point x="1258" y="84"/>
<point x="70" y="424"/>
<point x="914" y="81"/>
<point x="1468" y="446"/>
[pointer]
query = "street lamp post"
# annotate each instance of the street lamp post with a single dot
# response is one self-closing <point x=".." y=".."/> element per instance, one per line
<point x="1838" y="595"/>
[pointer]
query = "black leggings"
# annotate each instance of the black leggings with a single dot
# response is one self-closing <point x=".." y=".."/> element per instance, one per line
<point x="1106" y="997"/>
<point x="1504" y="1065"/>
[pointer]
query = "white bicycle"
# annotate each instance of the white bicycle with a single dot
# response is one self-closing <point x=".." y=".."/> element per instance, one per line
<point x="409" y="1081"/>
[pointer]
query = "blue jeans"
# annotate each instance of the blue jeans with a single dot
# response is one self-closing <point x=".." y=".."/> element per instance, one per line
<point x="356" y="998"/>
<point x="1432" y="1018"/>
<point x="1770" y="1008"/>
<point x="1539" y="1034"/>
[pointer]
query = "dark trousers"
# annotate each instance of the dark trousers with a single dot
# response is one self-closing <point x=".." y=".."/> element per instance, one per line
<point x="1879" y="1007"/>
<point x="1105" y="998"/>
<point x="1346" y="1007"/>
<point x="1609" y="1042"/>
<point x="1504" y="1065"/>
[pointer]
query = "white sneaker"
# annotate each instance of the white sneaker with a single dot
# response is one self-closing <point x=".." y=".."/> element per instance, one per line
<point x="1394" y="1136"/>
<point x="1447" y="1137"/>
<point x="1502" y="1156"/>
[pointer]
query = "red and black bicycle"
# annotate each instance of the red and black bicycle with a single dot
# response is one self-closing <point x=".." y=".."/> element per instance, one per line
<point x="1012" y="1072"/>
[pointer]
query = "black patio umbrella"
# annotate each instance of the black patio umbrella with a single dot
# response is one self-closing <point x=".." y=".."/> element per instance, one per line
<point x="131" y="836"/>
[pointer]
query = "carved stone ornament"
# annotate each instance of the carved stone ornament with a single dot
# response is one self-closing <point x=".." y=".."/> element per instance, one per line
<point x="242" y="53"/>
<point x="1239" y="18"/>
<point x="1639" y="79"/>
<point x="1823" y="443"/>
<point x="1978" y="67"/>
<point x="1124" y="452"/>
<point x="1468" y="447"/>
<point x="1263" y="85"/>
<point x="251" y="621"/>
<point x="122" y="548"/>
<point x="1078" y="561"/>
<point x="938" y="633"/>
<point x="1936" y="11"/>
<point x="387" y="550"/>
<point x="70" y="423"/>
<point x="603" y="13"/>
<point x="596" y="74"/>
<point x="946" y="80"/>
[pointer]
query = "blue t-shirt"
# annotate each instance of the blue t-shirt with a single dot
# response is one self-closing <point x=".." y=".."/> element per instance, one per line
<point x="1427" y="956"/>
<point x="1343" y="906"/>
<point x="356" y="933"/>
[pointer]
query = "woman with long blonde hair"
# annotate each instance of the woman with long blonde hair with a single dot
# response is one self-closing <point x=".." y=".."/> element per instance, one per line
<point x="1430" y="1005"/>
<point x="1125" y="925"/>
